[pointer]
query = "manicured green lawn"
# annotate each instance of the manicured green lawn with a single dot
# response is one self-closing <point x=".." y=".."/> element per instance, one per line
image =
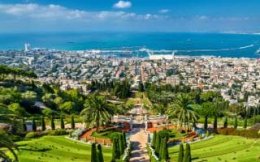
<point x="106" y="134"/>
<point x="223" y="148"/>
<point x="57" y="149"/>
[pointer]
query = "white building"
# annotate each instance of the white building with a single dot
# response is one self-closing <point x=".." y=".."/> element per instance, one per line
<point x="27" y="47"/>
<point x="161" y="56"/>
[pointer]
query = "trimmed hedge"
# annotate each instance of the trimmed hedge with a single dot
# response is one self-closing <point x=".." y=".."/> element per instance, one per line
<point x="33" y="134"/>
<point x="57" y="132"/>
<point x="249" y="133"/>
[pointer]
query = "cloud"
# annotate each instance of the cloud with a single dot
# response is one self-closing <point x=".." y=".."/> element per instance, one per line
<point x="41" y="11"/>
<point x="32" y="16"/>
<point x="54" y="12"/>
<point x="163" y="11"/>
<point x="122" y="4"/>
<point x="36" y="17"/>
<point x="203" y="17"/>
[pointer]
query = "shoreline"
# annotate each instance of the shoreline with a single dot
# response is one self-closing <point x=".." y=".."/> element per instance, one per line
<point x="142" y="53"/>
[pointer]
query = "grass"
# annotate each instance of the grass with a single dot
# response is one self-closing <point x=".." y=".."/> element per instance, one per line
<point x="223" y="148"/>
<point x="106" y="134"/>
<point x="56" y="149"/>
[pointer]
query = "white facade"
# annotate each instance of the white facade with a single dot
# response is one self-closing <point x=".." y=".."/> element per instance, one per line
<point x="160" y="57"/>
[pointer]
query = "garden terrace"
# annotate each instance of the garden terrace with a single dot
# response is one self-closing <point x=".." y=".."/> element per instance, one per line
<point x="56" y="149"/>
<point x="222" y="148"/>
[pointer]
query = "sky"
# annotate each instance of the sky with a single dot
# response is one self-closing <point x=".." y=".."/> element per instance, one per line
<point x="231" y="16"/>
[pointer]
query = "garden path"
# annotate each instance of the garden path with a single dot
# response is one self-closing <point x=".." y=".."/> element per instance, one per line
<point x="139" y="152"/>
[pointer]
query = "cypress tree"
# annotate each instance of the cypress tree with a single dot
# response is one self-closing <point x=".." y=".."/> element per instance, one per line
<point x="121" y="144"/>
<point x="93" y="153"/>
<point x="181" y="154"/>
<point x="157" y="145"/>
<point x="114" y="150"/>
<point x="161" y="151"/>
<point x="187" y="156"/>
<point x="245" y="122"/>
<point x="34" y="127"/>
<point x="62" y="126"/>
<point x="206" y="122"/>
<point x="235" y="123"/>
<point x="154" y="139"/>
<point x="254" y="116"/>
<point x="164" y="149"/>
<point x="225" y="122"/>
<point x="124" y="137"/>
<point x="100" y="153"/>
<point x="52" y="123"/>
<point x="215" y="124"/>
<point x="115" y="153"/>
<point x="72" y="122"/>
<point x="24" y="125"/>
<point x="43" y="124"/>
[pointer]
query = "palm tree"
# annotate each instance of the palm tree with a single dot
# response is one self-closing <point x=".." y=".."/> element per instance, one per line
<point x="96" y="111"/>
<point x="6" y="142"/>
<point x="182" y="108"/>
<point x="205" y="111"/>
<point x="6" y="116"/>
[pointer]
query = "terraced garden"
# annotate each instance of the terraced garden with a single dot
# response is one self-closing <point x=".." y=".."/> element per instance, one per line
<point x="220" y="148"/>
<point x="56" y="149"/>
<point x="223" y="148"/>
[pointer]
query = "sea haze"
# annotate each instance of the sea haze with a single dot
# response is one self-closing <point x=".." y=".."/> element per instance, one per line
<point x="225" y="45"/>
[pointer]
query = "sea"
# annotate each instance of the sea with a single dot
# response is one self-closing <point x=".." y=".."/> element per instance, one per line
<point x="187" y="44"/>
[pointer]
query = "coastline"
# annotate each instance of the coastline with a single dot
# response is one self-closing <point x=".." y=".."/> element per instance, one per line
<point x="186" y="44"/>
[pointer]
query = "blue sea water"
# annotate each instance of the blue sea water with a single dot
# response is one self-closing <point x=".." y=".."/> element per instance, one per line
<point x="193" y="44"/>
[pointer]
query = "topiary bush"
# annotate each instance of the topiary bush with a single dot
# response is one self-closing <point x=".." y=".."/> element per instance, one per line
<point x="249" y="133"/>
<point x="57" y="132"/>
<point x="33" y="135"/>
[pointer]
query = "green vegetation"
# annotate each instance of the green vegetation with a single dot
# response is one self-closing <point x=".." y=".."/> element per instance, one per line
<point x="105" y="134"/>
<point x="187" y="155"/>
<point x="161" y="147"/>
<point x="94" y="156"/>
<point x="5" y="71"/>
<point x="97" y="111"/>
<point x="7" y="143"/>
<point x="182" y="109"/>
<point x="24" y="100"/>
<point x="222" y="148"/>
<point x="56" y="149"/>
<point x="100" y="153"/>
<point x="181" y="153"/>
<point x="119" y="146"/>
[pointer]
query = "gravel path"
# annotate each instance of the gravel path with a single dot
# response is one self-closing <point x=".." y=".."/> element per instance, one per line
<point x="139" y="152"/>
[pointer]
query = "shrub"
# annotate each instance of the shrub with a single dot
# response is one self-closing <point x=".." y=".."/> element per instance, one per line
<point x="33" y="135"/>
<point x="181" y="153"/>
<point x="57" y="132"/>
<point x="249" y="133"/>
<point x="187" y="154"/>
<point x="93" y="153"/>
